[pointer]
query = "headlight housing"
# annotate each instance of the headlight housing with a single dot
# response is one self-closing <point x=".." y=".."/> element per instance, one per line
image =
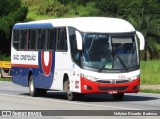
<point x="89" y="77"/>
<point x="134" y="78"/>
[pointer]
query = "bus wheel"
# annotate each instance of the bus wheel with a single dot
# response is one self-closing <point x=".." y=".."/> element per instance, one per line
<point x="118" y="97"/>
<point x="70" y="95"/>
<point x="33" y="91"/>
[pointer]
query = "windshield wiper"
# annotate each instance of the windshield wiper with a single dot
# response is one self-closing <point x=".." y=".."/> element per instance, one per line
<point x="102" y="67"/>
<point x="120" y="59"/>
<point x="123" y="64"/>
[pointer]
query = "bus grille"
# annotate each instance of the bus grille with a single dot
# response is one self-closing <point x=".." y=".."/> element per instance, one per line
<point x="102" y="88"/>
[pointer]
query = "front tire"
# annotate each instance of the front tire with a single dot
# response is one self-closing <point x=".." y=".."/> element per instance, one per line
<point x="118" y="97"/>
<point x="71" y="95"/>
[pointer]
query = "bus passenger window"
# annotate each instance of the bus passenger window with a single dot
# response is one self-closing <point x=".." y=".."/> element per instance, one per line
<point x="16" y="39"/>
<point x="62" y="40"/>
<point x="41" y="43"/>
<point x="23" y="39"/>
<point x="32" y="40"/>
<point x="51" y="39"/>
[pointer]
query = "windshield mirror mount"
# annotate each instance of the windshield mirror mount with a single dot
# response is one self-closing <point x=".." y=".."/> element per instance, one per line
<point x="141" y="39"/>
<point x="79" y="40"/>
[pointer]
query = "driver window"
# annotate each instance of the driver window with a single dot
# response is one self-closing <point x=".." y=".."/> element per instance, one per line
<point x="73" y="45"/>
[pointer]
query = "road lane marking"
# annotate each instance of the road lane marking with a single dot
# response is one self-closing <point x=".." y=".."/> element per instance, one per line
<point x="68" y="102"/>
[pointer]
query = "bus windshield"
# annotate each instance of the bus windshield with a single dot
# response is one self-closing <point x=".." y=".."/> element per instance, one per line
<point x="109" y="52"/>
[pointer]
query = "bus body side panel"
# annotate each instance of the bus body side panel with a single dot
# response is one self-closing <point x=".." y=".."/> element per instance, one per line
<point x="21" y="63"/>
<point x="76" y="82"/>
<point x="63" y="66"/>
<point x="18" y="76"/>
<point x="41" y="65"/>
<point x="45" y="72"/>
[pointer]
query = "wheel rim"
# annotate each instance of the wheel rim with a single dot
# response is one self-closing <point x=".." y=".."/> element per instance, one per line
<point x="68" y="89"/>
<point x="31" y="86"/>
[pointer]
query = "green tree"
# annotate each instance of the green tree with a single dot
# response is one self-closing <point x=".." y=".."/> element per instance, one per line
<point x="11" y="12"/>
<point x="148" y="22"/>
<point x="144" y="16"/>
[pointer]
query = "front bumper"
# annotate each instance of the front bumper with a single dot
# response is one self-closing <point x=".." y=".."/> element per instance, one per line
<point x="90" y="87"/>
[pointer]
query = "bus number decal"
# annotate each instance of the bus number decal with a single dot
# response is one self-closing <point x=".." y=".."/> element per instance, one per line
<point x="76" y="84"/>
<point x="121" y="76"/>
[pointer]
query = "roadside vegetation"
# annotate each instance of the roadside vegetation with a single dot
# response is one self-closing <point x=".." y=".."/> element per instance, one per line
<point x="6" y="79"/>
<point x="156" y="91"/>
<point x="150" y="72"/>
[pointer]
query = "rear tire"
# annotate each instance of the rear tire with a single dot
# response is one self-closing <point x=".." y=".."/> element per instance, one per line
<point x="33" y="91"/>
<point x="118" y="97"/>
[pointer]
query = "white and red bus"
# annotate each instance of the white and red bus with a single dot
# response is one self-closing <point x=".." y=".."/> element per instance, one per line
<point x="86" y="55"/>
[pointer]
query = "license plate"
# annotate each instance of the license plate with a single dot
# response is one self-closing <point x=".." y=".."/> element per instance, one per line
<point x="112" y="92"/>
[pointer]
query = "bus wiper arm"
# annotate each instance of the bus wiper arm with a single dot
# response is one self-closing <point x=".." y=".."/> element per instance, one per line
<point x="102" y="67"/>
<point x="120" y="59"/>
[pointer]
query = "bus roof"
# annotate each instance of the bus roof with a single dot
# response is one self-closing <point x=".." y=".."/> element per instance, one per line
<point x="84" y="24"/>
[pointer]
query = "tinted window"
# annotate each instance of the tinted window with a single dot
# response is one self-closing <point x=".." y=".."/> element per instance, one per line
<point x="41" y="42"/>
<point x="51" y="39"/>
<point x="24" y="36"/>
<point x="32" y="40"/>
<point x="62" y="40"/>
<point x="73" y="44"/>
<point x="16" y="39"/>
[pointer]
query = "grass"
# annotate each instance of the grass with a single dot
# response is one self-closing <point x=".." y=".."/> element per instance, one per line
<point x="150" y="72"/>
<point x="5" y="79"/>
<point x="156" y="91"/>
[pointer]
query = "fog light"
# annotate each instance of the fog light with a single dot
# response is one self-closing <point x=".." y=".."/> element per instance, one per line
<point x="136" y="87"/>
<point x="87" y="87"/>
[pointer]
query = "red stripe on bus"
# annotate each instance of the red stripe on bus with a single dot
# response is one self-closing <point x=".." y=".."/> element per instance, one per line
<point x="25" y="65"/>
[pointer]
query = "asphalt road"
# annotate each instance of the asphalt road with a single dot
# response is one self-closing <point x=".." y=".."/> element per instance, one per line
<point x="15" y="97"/>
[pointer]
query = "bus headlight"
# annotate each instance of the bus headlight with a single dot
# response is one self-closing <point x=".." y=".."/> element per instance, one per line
<point x="88" y="77"/>
<point x="134" y="78"/>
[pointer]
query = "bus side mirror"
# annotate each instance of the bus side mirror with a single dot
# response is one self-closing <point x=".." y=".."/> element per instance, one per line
<point x="79" y="40"/>
<point x="142" y="40"/>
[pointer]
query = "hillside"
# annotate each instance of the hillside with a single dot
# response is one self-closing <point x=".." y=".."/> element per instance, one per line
<point x="144" y="15"/>
<point x="40" y="9"/>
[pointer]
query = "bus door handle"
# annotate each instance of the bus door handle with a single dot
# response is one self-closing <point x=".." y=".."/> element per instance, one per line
<point x="74" y="73"/>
